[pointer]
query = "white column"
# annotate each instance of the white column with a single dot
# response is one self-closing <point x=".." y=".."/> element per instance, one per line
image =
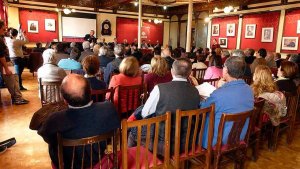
<point x="59" y="27"/>
<point x="189" y="26"/>
<point x="280" y="30"/>
<point x="140" y="24"/>
<point x="239" y="35"/>
<point x="208" y="34"/>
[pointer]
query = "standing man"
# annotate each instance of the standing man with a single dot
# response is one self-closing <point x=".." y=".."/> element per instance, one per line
<point x="90" y="37"/>
<point x="82" y="119"/>
<point x="11" y="80"/>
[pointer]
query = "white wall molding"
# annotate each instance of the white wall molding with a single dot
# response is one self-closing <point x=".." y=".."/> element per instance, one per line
<point x="239" y="35"/>
<point x="280" y="31"/>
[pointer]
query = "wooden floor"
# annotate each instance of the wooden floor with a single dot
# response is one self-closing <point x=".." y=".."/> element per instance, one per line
<point x="31" y="151"/>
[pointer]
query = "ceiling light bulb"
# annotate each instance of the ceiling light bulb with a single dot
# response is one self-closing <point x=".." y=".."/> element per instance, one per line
<point x="230" y="8"/>
<point x="73" y="10"/>
<point x="226" y="10"/>
<point x="67" y="11"/>
<point x="149" y="20"/>
<point x="207" y="19"/>
<point x="216" y="8"/>
<point x="136" y="3"/>
<point x="235" y="10"/>
<point x="57" y="10"/>
<point x="165" y="7"/>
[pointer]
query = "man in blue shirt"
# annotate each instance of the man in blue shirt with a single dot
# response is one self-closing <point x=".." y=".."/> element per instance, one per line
<point x="234" y="96"/>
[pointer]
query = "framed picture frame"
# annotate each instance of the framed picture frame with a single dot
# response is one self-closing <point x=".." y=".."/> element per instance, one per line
<point x="267" y="34"/>
<point x="298" y="27"/>
<point x="230" y="29"/>
<point x="50" y="25"/>
<point x="223" y="42"/>
<point x="33" y="26"/>
<point x="289" y="43"/>
<point x="215" y="30"/>
<point x="250" y="31"/>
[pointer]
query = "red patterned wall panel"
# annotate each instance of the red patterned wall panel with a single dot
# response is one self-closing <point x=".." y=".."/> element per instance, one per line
<point x="270" y="19"/>
<point x="290" y="28"/>
<point x="128" y="29"/>
<point x="40" y="16"/>
<point x="231" y="40"/>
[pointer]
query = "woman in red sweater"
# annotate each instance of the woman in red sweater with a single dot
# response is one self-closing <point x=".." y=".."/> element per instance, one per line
<point x="129" y="76"/>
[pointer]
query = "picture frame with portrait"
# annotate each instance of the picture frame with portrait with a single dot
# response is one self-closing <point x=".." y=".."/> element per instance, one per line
<point x="230" y="31"/>
<point x="223" y="42"/>
<point x="289" y="43"/>
<point x="215" y="30"/>
<point x="50" y="25"/>
<point x="250" y="31"/>
<point x="33" y="26"/>
<point x="267" y="34"/>
<point x="298" y="27"/>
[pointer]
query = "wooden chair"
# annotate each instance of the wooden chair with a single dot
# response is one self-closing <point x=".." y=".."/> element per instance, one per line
<point x="213" y="82"/>
<point x="195" y="130"/>
<point x="298" y="107"/>
<point x="247" y="79"/>
<point x="256" y="127"/>
<point x="35" y="61"/>
<point x="286" y="122"/>
<point x="99" y="95"/>
<point x="129" y="98"/>
<point x="198" y="73"/>
<point x="235" y="149"/>
<point x="87" y="149"/>
<point x="140" y="156"/>
<point x="49" y="91"/>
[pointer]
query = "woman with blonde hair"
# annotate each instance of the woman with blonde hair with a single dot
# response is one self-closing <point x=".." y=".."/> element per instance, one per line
<point x="129" y="76"/>
<point x="264" y="87"/>
<point x="159" y="73"/>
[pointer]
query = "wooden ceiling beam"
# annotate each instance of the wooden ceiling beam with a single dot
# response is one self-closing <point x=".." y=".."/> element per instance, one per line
<point x="111" y="4"/>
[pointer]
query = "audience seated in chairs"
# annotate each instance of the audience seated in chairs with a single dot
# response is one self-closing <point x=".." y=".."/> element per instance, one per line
<point x="82" y="119"/>
<point x="38" y="48"/>
<point x="86" y="51"/>
<point x="70" y="63"/>
<point x="229" y="99"/>
<point x="90" y="65"/>
<point x="50" y="71"/>
<point x="129" y="76"/>
<point x="61" y="52"/>
<point x="260" y="59"/>
<point x="200" y="61"/>
<point x="286" y="73"/>
<point x="264" y="87"/>
<point x="159" y="73"/>
<point x="104" y="58"/>
<point x="183" y="96"/>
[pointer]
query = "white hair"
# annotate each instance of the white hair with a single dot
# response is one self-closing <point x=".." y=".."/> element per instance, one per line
<point x="86" y="45"/>
<point x="72" y="44"/>
<point x="103" y="50"/>
<point x="49" y="56"/>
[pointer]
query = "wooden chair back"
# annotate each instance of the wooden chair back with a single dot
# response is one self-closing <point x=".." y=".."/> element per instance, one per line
<point x="213" y="82"/>
<point x="85" y="149"/>
<point x="143" y="159"/>
<point x="129" y="98"/>
<point x="291" y="104"/>
<point x="49" y="91"/>
<point x="247" y="79"/>
<point x="194" y="132"/>
<point x="35" y="61"/>
<point x="238" y="121"/>
<point x="257" y="113"/>
<point x="99" y="95"/>
<point x="198" y="73"/>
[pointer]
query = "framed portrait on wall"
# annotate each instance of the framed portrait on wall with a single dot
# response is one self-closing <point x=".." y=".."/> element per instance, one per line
<point x="223" y="42"/>
<point x="267" y="35"/>
<point x="298" y="26"/>
<point x="33" y="26"/>
<point x="49" y="24"/>
<point x="289" y="43"/>
<point x="230" y="31"/>
<point x="250" y="31"/>
<point x="215" y="30"/>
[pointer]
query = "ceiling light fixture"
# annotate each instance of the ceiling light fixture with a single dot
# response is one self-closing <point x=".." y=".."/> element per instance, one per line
<point x="229" y="9"/>
<point x="136" y="3"/>
<point x="207" y="19"/>
<point x="165" y="7"/>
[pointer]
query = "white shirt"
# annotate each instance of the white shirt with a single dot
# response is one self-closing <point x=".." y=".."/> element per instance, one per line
<point x="87" y="105"/>
<point x="15" y="47"/>
<point x="151" y="103"/>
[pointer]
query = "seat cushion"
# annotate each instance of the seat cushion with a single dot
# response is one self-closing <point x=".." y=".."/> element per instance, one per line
<point x="131" y="158"/>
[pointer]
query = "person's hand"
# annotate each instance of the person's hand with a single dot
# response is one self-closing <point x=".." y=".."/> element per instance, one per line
<point x="221" y="82"/>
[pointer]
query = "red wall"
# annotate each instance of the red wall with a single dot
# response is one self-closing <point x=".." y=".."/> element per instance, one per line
<point x="290" y="28"/>
<point x="231" y="40"/>
<point x="128" y="29"/>
<point x="270" y="19"/>
<point x="40" y="16"/>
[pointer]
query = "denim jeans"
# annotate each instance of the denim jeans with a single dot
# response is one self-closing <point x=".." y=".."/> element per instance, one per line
<point x="19" y="64"/>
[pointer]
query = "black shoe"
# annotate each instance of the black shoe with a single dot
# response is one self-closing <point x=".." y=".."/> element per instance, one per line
<point x="19" y="102"/>
<point x="23" y="88"/>
<point x="2" y="149"/>
<point x="8" y="143"/>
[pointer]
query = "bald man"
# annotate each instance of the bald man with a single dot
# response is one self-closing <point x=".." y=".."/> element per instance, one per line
<point x="82" y="119"/>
